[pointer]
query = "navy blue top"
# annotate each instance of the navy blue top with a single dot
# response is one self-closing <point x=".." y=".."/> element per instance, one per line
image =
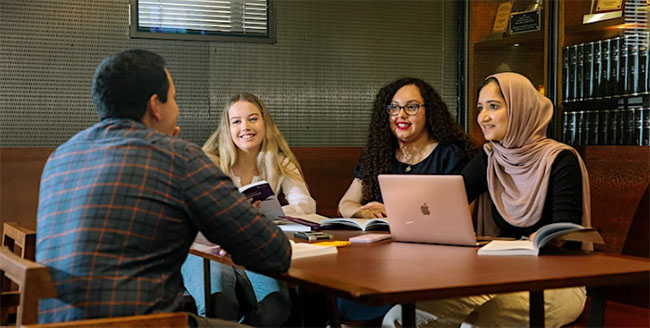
<point x="444" y="159"/>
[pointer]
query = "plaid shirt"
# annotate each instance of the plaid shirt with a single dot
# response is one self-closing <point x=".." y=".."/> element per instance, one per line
<point x="119" y="207"/>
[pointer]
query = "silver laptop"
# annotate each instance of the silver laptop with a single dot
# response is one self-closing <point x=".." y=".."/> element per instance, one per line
<point x="428" y="209"/>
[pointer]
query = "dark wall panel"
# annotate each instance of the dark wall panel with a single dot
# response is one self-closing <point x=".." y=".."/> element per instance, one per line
<point x="319" y="79"/>
<point x="48" y="53"/>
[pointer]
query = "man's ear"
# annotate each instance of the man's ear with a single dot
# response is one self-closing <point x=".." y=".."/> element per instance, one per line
<point x="153" y="109"/>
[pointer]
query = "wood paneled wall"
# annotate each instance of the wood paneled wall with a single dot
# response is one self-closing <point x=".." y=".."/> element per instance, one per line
<point x="619" y="187"/>
<point x="20" y="176"/>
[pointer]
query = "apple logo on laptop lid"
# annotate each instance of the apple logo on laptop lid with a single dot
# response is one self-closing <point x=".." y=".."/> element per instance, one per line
<point x="425" y="209"/>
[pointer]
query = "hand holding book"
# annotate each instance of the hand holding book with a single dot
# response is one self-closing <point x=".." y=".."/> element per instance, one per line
<point x="262" y="196"/>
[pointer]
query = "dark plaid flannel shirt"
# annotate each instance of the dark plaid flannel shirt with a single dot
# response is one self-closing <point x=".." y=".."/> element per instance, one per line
<point x="119" y="207"/>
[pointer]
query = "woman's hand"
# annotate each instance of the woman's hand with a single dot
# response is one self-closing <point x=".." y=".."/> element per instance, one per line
<point x="257" y="203"/>
<point x="371" y="210"/>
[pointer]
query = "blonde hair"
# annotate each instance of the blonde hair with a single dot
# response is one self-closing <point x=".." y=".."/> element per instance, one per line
<point x="275" y="157"/>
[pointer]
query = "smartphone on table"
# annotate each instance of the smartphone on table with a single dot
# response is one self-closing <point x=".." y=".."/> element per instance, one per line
<point x="313" y="235"/>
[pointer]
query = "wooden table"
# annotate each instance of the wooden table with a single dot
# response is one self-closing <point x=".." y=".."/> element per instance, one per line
<point x="392" y="272"/>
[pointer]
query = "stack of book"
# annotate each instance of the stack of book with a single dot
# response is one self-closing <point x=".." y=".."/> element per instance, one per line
<point x="608" y="68"/>
<point x="627" y="125"/>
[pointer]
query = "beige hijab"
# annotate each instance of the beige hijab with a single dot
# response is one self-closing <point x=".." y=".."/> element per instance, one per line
<point x="519" y="167"/>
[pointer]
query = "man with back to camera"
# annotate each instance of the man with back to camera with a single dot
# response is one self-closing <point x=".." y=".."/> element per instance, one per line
<point x="121" y="202"/>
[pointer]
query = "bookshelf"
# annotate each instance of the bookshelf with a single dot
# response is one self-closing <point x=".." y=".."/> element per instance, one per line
<point x="531" y="53"/>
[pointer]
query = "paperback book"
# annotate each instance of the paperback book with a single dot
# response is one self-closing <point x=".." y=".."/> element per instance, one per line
<point x="303" y="250"/>
<point x="555" y="231"/>
<point x="306" y="222"/>
<point x="261" y="191"/>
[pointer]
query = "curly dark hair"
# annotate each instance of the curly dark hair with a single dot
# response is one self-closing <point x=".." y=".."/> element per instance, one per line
<point x="379" y="152"/>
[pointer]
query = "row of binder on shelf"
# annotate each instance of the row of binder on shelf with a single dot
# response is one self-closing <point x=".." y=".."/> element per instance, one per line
<point x="625" y="126"/>
<point x="606" y="68"/>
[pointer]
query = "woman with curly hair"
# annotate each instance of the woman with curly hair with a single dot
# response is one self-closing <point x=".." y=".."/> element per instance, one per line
<point x="249" y="147"/>
<point x="411" y="132"/>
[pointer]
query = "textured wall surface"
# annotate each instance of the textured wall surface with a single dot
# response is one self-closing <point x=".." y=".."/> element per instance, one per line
<point x="318" y="80"/>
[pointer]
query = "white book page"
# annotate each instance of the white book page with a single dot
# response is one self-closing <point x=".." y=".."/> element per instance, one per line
<point x="509" y="247"/>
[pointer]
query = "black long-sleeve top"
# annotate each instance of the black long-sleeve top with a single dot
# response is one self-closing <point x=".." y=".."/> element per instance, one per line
<point x="563" y="199"/>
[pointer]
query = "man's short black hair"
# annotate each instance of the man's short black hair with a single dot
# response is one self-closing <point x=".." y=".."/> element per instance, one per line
<point x="124" y="82"/>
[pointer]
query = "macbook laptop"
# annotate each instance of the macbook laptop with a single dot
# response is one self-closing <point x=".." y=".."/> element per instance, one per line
<point x="428" y="209"/>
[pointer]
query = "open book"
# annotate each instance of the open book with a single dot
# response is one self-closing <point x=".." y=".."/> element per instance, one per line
<point x="554" y="231"/>
<point x="261" y="191"/>
<point x="353" y="223"/>
<point x="302" y="250"/>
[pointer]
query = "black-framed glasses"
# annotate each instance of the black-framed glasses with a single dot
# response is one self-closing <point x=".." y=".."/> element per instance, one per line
<point x="410" y="109"/>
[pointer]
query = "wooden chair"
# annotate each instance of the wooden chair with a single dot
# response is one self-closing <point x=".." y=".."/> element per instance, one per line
<point x="178" y="319"/>
<point x="19" y="240"/>
<point x="34" y="282"/>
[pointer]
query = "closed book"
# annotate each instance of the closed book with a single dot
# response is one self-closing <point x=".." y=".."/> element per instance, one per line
<point x="588" y="71"/>
<point x="573" y="128"/>
<point x="620" y="128"/>
<point x="615" y="68"/>
<point x="565" y="73"/>
<point x="633" y="67"/>
<point x="623" y="87"/>
<point x="597" y="78"/>
<point x="644" y="82"/>
<point x="603" y="127"/>
<point x="637" y="134"/>
<point x="305" y="250"/>
<point x="565" y="127"/>
<point x="202" y="244"/>
<point x="627" y="127"/>
<point x="612" y="124"/>
<point x="592" y="134"/>
<point x="646" y="127"/>
<point x="580" y="81"/>
<point x="302" y="222"/>
<point x="586" y="128"/>
<point x="605" y="69"/>
<point x="580" y="129"/>
<point x="573" y="67"/>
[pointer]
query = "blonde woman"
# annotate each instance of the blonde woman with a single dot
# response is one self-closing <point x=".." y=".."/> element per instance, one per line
<point x="249" y="147"/>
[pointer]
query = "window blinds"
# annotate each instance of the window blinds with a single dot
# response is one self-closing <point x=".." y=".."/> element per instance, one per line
<point x="229" y="17"/>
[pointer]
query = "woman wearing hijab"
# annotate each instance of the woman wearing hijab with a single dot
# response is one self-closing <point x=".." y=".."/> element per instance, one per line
<point x="532" y="181"/>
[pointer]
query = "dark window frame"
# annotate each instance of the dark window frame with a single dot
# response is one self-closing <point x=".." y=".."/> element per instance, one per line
<point x="145" y="33"/>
